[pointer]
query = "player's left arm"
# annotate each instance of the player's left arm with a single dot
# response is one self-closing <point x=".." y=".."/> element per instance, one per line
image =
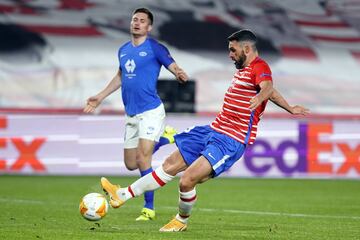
<point x="164" y="57"/>
<point x="266" y="88"/>
<point x="178" y="72"/>
<point x="280" y="101"/>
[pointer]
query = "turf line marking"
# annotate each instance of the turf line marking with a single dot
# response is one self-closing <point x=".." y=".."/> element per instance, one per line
<point x="296" y="215"/>
<point x="281" y="214"/>
<point x="26" y="201"/>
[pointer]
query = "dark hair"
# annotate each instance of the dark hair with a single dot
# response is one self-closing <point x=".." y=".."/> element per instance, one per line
<point x="243" y="35"/>
<point x="147" y="12"/>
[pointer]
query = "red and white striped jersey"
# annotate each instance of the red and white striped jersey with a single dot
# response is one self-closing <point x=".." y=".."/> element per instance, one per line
<point x="235" y="118"/>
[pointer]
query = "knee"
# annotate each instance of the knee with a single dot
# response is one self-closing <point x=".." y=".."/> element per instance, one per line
<point x="143" y="155"/>
<point x="173" y="165"/>
<point x="130" y="159"/>
<point x="143" y="161"/>
<point x="187" y="183"/>
<point x="131" y="166"/>
<point x="167" y="166"/>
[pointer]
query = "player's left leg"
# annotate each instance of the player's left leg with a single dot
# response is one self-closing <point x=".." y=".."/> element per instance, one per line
<point x="166" y="138"/>
<point x="150" y="182"/>
<point x="143" y="162"/>
<point x="198" y="172"/>
<point x="151" y="126"/>
<point x="219" y="154"/>
<point x="145" y="149"/>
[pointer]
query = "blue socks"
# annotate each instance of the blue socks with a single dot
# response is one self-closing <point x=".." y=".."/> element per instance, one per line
<point x="148" y="196"/>
<point x="162" y="141"/>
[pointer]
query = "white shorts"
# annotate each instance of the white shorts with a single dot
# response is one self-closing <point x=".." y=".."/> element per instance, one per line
<point x="147" y="125"/>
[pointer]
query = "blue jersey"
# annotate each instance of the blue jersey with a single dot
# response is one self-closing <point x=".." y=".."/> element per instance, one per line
<point x="140" y="67"/>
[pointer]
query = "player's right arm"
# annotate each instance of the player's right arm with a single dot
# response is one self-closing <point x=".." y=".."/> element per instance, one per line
<point x="280" y="101"/>
<point x="93" y="102"/>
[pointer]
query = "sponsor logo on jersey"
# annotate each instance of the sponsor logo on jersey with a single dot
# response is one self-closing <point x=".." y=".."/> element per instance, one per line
<point x="130" y="65"/>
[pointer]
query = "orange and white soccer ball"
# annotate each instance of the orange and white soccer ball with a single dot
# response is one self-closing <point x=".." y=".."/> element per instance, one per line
<point x="93" y="206"/>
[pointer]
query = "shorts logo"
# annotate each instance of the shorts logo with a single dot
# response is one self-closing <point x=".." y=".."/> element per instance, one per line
<point x="210" y="155"/>
<point x="221" y="162"/>
<point x="150" y="130"/>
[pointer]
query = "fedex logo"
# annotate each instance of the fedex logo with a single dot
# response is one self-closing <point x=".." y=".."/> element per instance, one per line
<point x="308" y="147"/>
<point x="26" y="151"/>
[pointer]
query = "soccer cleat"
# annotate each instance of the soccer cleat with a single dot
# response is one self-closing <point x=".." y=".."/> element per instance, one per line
<point x="146" y="215"/>
<point x="169" y="133"/>
<point x="111" y="189"/>
<point x="174" y="226"/>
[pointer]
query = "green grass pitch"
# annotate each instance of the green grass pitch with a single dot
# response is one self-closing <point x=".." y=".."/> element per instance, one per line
<point x="43" y="207"/>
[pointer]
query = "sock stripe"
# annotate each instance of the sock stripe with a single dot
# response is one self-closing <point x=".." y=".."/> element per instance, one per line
<point x="184" y="216"/>
<point x="157" y="179"/>
<point x="188" y="199"/>
<point x="131" y="191"/>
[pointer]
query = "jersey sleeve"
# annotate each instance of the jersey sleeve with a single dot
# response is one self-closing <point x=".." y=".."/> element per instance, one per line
<point x="162" y="53"/>
<point x="262" y="73"/>
<point x="119" y="54"/>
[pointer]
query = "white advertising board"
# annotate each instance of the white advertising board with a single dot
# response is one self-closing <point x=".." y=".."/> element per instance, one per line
<point x="93" y="145"/>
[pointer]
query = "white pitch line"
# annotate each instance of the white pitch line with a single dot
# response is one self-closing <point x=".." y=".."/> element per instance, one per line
<point x="26" y="201"/>
<point x="295" y="215"/>
<point x="298" y="215"/>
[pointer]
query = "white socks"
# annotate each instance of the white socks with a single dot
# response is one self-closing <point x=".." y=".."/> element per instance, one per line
<point x="149" y="182"/>
<point x="186" y="203"/>
<point x="155" y="180"/>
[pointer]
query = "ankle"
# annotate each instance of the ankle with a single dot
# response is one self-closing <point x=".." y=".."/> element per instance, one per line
<point x="124" y="194"/>
<point x="183" y="219"/>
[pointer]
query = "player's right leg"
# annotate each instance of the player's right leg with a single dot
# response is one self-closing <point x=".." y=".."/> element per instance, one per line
<point x="111" y="190"/>
<point x="130" y="156"/>
<point x="157" y="179"/>
<point x="196" y="173"/>
<point x="131" y="141"/>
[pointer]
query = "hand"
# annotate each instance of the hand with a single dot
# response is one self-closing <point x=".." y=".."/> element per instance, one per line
<point x="181" y="76"/>
<point x="254" y="103"/>
<point x="299" y="110"/>
<point x="91" y="104"/>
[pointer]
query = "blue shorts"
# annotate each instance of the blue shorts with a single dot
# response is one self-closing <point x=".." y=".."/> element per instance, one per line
<point x="219" y="149"/>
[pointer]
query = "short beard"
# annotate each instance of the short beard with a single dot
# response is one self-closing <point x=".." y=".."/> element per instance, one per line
<point x="239" y="64"/>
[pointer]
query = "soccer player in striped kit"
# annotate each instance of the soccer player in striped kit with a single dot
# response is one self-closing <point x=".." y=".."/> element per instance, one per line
<point x="140" y="61"/>
<point x="204" y="152"/>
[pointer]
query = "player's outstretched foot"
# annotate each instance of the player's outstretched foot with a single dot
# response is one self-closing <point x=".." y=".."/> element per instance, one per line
<point x="111" y="190"/>
<point x="169" y="133"/>
<point x="174" y="226"/>
<point x="146" y="215"/>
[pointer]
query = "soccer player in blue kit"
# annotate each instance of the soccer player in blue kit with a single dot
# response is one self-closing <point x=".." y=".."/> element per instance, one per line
<point x="140" y="61"/>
